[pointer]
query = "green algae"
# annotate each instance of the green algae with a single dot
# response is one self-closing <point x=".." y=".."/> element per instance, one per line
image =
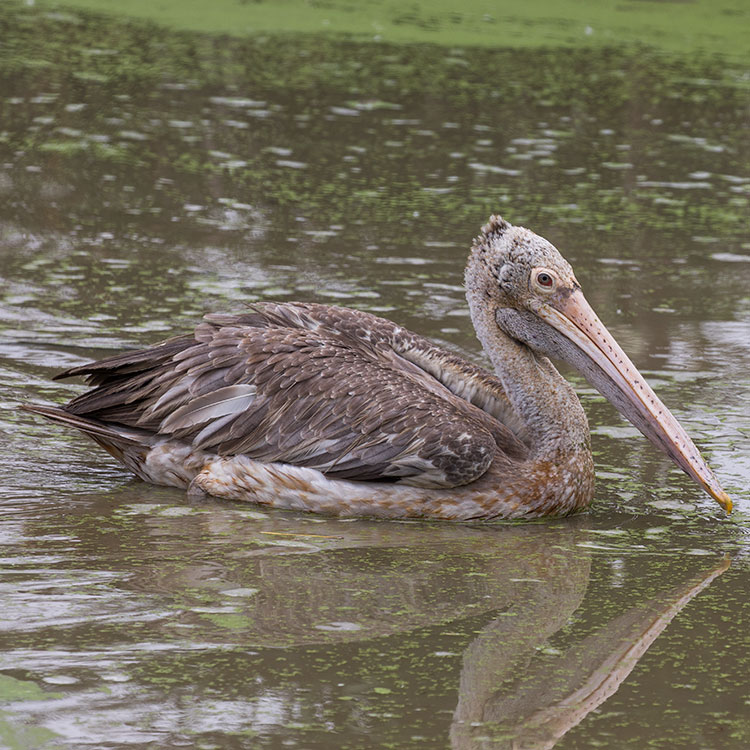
<point x="12" y="689"/>
<point x="684" y="28"/>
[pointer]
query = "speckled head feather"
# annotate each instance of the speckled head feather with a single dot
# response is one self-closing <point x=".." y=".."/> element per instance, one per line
<point x="504" y="256"/>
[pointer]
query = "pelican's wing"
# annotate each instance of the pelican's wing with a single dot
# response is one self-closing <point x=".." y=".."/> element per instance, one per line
<point x="282" y="385"/>
<point x="464" y="379"/>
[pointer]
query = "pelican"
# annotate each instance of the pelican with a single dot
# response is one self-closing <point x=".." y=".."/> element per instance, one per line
<point x="327" y="409"/>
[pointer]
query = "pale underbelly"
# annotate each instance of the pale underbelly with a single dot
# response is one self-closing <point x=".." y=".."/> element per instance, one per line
<point x="532" y="489"/>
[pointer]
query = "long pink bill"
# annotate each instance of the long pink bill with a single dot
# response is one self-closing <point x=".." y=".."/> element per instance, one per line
<point x="572" y="316"/>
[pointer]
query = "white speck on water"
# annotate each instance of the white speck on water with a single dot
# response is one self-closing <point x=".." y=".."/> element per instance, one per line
<point x="339" y="626"/>
<point x="176" y="511"/>
<point x="345" y="111"/>
<point x="239" y="592"/>
<point x="492" y="169"/>
<point x="115" y="677"/>
<point x="60" y="679"/>
<point x="237" y="101"/>
<point x="731" y="257"/>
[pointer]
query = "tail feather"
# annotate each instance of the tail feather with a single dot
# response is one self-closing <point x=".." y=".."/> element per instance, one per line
<point x="129" y="446"/>
<point x="147" y="455"/>
<point x="93" y="427"/>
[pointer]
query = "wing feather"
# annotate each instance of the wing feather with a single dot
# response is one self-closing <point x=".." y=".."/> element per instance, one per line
<point x="341" y="391"/>
<point x="227" y="401"/>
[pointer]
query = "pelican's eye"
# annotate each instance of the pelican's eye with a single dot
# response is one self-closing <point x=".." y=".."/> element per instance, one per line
<point x="544" y="280"/>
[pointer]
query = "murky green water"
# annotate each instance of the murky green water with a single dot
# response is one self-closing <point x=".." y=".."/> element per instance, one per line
<point x="149" y="176"/>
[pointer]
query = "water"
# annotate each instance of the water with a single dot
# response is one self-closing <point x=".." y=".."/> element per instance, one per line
<point x="150" y="176"/>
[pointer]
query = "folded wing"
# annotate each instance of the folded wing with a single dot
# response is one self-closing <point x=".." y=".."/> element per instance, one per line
<point x="281" y="384"/>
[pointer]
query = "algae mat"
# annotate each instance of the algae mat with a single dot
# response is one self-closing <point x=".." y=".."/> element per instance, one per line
<point x="677" y="27"/>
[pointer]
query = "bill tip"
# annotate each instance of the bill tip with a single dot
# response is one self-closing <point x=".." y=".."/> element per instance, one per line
<point x="724" y="500"/>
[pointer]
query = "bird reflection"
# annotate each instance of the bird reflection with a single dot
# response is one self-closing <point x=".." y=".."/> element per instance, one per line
<point x="308" y="617"/>
<point x="534" y="710"/>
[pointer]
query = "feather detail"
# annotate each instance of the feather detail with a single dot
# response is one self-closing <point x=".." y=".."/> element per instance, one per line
<point x="336" y="390"/>
<point x="230" y="400"/>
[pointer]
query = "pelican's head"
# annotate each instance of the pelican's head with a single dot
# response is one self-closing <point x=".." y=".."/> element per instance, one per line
<point x="524" y="269"/>
<point x="537" y="300"/>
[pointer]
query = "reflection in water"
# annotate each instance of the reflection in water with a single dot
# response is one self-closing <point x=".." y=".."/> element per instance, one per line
<point x="534" y="710"/>
<point x="211" y="622"/>
<point x="212" y="615"/>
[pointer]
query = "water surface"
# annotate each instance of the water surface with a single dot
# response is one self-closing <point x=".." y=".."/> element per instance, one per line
<point x="148" y="176"/>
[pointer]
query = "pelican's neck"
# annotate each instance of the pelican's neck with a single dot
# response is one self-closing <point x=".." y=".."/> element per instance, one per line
<point x="542" y="398"/>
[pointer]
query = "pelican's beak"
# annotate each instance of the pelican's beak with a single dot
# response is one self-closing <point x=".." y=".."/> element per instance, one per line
<point x="571" y="315"/>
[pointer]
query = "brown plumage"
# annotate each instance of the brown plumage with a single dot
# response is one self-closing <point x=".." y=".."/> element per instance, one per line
<point x="330" y="409"/>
